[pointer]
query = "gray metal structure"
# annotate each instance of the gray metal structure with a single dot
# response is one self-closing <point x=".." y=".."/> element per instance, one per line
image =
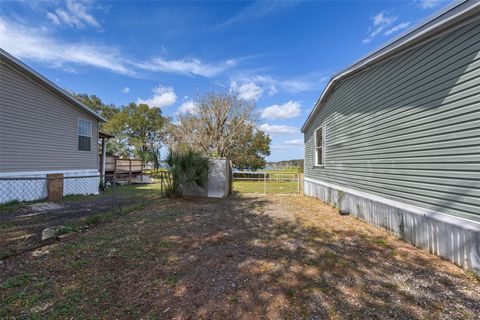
<point x="402" y="136"/>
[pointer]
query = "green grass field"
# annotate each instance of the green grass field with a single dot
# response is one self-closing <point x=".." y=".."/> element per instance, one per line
<point x="278" y="181"/>
<point x="287" y="187"/>
<point x="290" y="170"/>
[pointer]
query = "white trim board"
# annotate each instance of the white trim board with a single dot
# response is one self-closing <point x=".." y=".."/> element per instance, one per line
<point x="36" y="173"/>
<point x="435" y="215"/>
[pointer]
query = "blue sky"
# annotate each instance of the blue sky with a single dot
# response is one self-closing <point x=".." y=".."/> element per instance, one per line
<point x="280" y="54"/>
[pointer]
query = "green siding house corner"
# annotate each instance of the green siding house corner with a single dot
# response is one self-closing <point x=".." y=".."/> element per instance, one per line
<point x="395" y="138"/>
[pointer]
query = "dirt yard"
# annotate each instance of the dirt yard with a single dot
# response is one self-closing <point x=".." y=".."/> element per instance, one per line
<point x="21" y="224"/>
<point x="273" y="257"/>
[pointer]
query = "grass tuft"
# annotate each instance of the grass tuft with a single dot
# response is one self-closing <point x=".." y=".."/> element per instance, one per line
<point x="381" y="241"/>
<point x="79" y="263"/>
<point x="10" y="206"/>
<point x="234" y="299"/>
<point x="172" y="279"/>
<point x="17" y="281"/>
<point x="64" y="230"/>
<point x="291" y="293"/>
<point x="164" y="244"/>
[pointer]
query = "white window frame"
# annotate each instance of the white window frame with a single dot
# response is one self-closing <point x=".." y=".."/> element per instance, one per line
<point x="322" y="148"/>
<point x="89" y="136"/>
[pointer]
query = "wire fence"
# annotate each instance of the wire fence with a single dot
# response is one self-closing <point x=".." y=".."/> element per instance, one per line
<point x="35" y="209"/>
<point x="267" y="182"/>
<point x="38" y="208"/>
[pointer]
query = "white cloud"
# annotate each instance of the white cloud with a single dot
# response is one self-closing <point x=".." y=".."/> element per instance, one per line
<point x="37" y="45"/>
<point x="278" y="129"/>
<point x="75" y="14"/>
<point x="162" y="97"/>
<point x="188" y="107"/>
<point x="288" y="110"/>
<point x="53" y="17"/>
<point x="272" y="85"/>
<point x="397" y="28"/>
<point x="291" y="85"/>
<point x="260" y="9"/>
<point x="246" y="91"/>
<point x="380" y="21"/>
<point x="126" y="90"/>
<point x="187" y="66"/>
<point x="428" y="4"/>
<point x="294" y="142"/>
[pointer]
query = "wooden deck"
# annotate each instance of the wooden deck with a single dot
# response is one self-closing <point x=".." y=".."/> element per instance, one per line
<point x="123" y="166"/>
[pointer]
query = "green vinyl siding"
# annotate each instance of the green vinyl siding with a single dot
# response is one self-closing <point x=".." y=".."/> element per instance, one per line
<point x="408" y="128"/>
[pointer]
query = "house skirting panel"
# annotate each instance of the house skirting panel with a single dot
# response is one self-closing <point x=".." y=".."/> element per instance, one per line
<point x="453" y="238"/>
<point x="36" y="189"/>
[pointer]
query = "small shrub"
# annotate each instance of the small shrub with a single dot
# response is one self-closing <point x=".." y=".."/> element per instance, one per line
<point x="189" y="170"/>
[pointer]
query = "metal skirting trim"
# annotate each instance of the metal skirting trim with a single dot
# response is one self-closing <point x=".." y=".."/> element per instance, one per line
<point x="455" y="241"/>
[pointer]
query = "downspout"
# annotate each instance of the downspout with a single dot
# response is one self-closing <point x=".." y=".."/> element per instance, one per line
<point x="104" y="161"/>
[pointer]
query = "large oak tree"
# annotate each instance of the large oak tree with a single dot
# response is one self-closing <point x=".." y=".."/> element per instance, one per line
<point x="222" y="125"/>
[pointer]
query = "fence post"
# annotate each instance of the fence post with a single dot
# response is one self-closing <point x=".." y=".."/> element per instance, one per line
<point x="265" y="183"/>
<point x="298" y="182"/>
<point x="129" y="170"/>
<point x="114" y="195"/>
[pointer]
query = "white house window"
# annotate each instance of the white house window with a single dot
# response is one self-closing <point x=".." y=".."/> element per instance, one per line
<point x="320" y="146"/>
<point x="84" y="130"/>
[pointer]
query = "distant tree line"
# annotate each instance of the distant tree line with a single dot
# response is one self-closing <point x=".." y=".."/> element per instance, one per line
<point x="221" y="125"/>
<point x="298" y="163"/>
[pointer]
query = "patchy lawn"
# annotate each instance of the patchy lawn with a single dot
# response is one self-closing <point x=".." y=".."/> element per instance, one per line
<point x="272" y="257"/>
<point x="21" y="224"/>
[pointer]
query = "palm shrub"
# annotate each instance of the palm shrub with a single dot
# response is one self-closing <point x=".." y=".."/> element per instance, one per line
<point x="189" y="170"/>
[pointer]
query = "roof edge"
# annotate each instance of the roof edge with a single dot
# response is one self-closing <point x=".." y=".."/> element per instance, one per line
<point x="446" y="18"/>
<point x="63" y="93"/>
